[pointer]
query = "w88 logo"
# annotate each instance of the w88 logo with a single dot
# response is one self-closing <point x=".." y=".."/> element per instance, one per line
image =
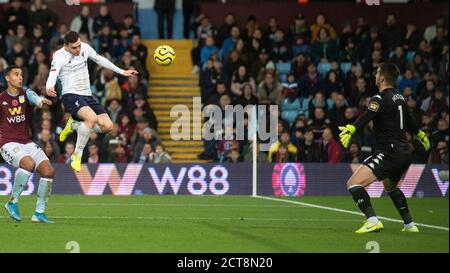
<point x="16" y="119"/>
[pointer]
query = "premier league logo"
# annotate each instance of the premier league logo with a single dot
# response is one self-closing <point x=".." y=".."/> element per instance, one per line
<point x="288" y="179"/>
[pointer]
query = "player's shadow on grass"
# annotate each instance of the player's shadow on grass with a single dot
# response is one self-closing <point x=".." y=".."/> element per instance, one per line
<point x="239" y="233"/>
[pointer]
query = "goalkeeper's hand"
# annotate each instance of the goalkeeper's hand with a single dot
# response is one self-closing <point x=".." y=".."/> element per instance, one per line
<point x="422" y="137"/>
<point x="346" y="134"/>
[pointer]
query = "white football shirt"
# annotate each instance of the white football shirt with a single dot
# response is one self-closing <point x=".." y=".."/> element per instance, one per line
<point x="73" y="70"/>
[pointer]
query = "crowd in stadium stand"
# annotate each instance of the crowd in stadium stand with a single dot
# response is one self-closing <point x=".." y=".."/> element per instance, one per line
<point x="321" y="77"/>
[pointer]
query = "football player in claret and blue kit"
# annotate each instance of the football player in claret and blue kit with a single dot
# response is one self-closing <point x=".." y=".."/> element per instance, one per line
<point x="17" y="148"/>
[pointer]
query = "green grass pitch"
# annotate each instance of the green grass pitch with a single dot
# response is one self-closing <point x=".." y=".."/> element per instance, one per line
<point x="217" y="224"/>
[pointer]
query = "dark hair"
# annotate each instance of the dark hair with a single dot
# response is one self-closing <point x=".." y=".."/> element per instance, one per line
<point x="71" y="37"/>
<point x="390" y="72"/>
<point x="10" y="68"/>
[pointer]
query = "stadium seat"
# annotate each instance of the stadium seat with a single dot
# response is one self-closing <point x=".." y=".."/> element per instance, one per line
<point x="323" y="68"/>
<point x="283" y="69"/>
<point x="410" y="56"/>
<point x="345" y="67"/>
<point x="290" y="110"/>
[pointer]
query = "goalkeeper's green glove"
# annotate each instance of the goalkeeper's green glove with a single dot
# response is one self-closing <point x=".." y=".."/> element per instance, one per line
<point x="422" y="137"/>
<point x="346" y="134"/>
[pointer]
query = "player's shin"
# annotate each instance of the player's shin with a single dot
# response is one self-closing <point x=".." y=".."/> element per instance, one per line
<point x="362" y="199"/>
<point x="43" y="193"/>
<point x="20" y="180"/>
<point x="400" y="203"/>
<point x="83" y="135"/>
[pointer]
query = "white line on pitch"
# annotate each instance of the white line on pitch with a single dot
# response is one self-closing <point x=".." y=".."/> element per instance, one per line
<point x="200" y="218"/>
<point x="172" y="205"/>
<point x="344" y="211"/>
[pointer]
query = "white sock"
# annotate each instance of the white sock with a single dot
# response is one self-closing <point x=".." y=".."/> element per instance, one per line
<point x="83" y="135"/>
<point x="20" y="180"/>
<point x="97" y="129"/>
<point x="372" y="220"/>
<point x="75" y="125"/>
<point x="43" y="193"/>
<point x="410" y="225"/>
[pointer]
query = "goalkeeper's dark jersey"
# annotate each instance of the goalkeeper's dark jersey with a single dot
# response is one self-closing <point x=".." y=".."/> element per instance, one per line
<point x="390" y="117"/>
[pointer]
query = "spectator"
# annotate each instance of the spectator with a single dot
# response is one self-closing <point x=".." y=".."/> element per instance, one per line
<point x="331" y="151"/>
<point x="144" y="155"/>
<point x="283" y="155"/>
<point x="49" y="152"/>
<point x="41" y="15"/>
<point x="318" y="123"/>
<point x="83" y="23"/>
<point x="311" y="82"/>
<point x="69" y="148"/>
<point x="240" y="78"/>
<point x="145" y="137"/>
<point x="281" y="51"/>
<point x="408" y="79"/>
<point x="103" y="19"/>
<point x="160" y="155"/>
<point x="284" y="140"/>
<point x="129" y="25"/>
<point x="435" y="104"/>
<point x="207" y="50"/>
<point x="247" y="97"/>
<point x="57" y="40"/>
<point x="353" y="155"/>
<point x="399" y="58"/>
<point x="114" y="109"/>
<point x="337" y="114"/>
<point x="412" y="37"/>
<point x="430" y="31"/>
<point x="93" y="156"/>
<point x="419" y="66"/>
<point x="104" y="40"/>
<point x="269" y="91"/>
<point x="319" y="24"/>
<point x="324" y="49"/>
<point x="299" y="29"/>
<point x="20" y="36"/>
<point x="126" y="127"/>
<point x="165" y="10"/>
<point x="439" y="155"/>
<point x="272" y="28"/>
<point x="230" y="42"/>
<point x="45" y="136"/>
<point x="308" y="150"/>
<point x="439" y="45"/>
<point x="261" y="157"/>
<point x="110" y="141"/>
<point x="15" y="15"/>
<point x="139" y="51"/>
<point x="120" y="154"/>
<point x="391" y="32"/>
<point x="224" y="31"/>
<point x="441" y="134"/>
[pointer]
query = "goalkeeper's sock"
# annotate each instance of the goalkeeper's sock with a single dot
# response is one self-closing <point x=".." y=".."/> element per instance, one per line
<point x="20" y="180"/>
<point x="83" y="135"/>
<point x="43" y="193"/>
<point x="97" y="129"/>
<point x="400" y="203"/>
<point x="362" y="199"/>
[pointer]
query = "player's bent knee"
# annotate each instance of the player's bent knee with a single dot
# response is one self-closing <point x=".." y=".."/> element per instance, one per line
<point x="27" y="163"/>
<point x="48" y="172"/>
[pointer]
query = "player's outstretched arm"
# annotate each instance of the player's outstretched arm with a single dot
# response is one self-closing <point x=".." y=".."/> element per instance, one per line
<point x="104" y="62"/>
<point x="37" y="100"/>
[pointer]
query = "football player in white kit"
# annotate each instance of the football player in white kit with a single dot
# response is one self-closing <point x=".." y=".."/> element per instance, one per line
<point x="70" y="65"/>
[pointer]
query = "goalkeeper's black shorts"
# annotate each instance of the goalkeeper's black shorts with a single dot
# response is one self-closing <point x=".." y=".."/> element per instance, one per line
<point x="388" y="164"/>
